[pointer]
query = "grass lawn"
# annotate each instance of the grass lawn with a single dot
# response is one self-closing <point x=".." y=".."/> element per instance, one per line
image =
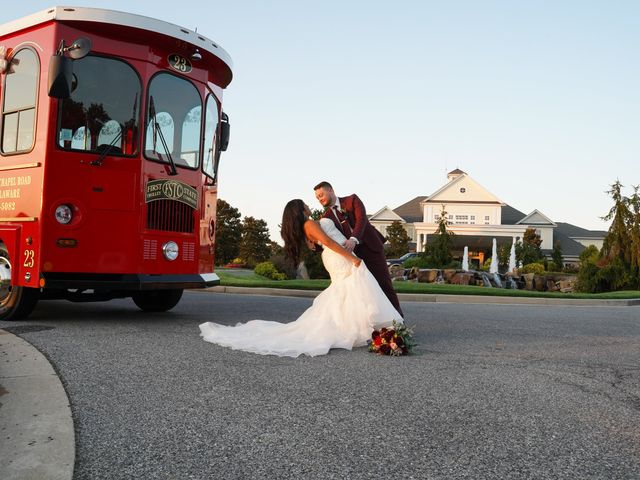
<point x="246" y="278"/>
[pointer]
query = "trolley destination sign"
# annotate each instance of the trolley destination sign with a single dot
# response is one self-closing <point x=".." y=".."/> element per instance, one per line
<point x="171" y="190"/>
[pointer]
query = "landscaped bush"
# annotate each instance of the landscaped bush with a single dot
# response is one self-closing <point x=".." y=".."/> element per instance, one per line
<point x="420" y="261"/>
<point x="283" y="265"/>
<point x="268" y="269"/>
<point x="536" y="268"/>
<point x="596" y="278"/>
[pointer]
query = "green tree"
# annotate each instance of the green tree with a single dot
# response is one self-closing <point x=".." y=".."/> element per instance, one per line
<point x="622" y="241"/>
<point x="228" y="232"/>
<point x="556" y="256"/>
<point x="255" y="244"/>
<point x="529" y="250"/>
<point x="504" y="251"/>
<point x="398" y="240"/>
<point x="438" y="251"/>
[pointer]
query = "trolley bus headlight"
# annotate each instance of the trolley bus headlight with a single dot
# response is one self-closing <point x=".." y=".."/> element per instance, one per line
<point x="64" y="214"/>
<point x="170" y="250"/>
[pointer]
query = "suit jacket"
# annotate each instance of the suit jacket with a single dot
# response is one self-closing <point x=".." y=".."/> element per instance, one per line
<point x="368" y="237"/>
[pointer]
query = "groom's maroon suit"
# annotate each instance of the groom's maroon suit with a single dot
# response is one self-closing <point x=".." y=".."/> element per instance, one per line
<point x="371" y="242"/>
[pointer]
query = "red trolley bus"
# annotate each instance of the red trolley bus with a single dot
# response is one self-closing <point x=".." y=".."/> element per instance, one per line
<point x="111" y="134"/>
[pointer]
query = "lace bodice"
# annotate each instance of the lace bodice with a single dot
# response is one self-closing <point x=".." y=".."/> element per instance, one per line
<point x="337" y="266"/>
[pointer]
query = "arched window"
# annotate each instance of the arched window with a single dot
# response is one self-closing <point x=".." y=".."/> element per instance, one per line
<point x="20" y="98"/>
<point x="174" y="120"/>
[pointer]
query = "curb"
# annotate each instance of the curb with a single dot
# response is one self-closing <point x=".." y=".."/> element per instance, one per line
<point x="38" y="440"/>
<point x="439" y="298"/>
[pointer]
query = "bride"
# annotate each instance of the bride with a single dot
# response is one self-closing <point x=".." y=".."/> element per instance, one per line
<point x="342" y="316"/>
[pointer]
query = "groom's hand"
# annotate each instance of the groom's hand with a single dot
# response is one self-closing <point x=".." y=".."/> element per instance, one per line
<point x="349" y="245"/>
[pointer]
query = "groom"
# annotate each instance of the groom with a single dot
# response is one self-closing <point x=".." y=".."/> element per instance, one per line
<point x="349" y="215"/>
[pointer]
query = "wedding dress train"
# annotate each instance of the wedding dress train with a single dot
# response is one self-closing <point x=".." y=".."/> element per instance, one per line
<point x="342" y="316"/>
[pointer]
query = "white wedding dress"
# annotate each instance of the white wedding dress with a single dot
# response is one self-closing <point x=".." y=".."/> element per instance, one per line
<point x="342" y="316"/>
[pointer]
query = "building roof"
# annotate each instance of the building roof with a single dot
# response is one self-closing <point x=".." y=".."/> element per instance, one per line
<point x="573" y="231"/>
<point x="457" y="171"/>
<point x="411" y="211"/>
<point x="511" y="216"/>
<point x="569" y="247"/>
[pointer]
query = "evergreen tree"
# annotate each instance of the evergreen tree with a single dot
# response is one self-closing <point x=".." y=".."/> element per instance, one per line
<point x="556" y="255"/>
<point x="438" y="251"/>
<point x="228" y="232"/>
<point x="622" y="243"/>
<point x="398" y="240"/>
<point x="255" y="244"/>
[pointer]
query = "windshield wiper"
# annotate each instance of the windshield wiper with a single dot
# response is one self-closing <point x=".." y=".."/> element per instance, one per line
<point x="105" y="151"/>
<point x="157" y="131"/>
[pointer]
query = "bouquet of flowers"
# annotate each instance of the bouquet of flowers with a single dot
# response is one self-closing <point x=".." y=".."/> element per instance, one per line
<point x="395" y="340"/>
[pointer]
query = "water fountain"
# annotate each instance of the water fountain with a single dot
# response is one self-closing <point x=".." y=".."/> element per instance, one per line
<point x="512" y="257"/>
<point x="465" y="259"/>
<point x="494" y="258"/>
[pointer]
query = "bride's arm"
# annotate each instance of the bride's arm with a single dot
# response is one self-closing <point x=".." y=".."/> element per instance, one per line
<point x="314" y="232"/>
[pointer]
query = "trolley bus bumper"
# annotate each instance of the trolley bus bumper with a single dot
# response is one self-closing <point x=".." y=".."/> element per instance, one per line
<point x="128" y="282"/>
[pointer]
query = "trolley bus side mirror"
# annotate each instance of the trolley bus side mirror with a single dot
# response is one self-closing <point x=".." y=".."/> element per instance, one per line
<point x="225" y="132"/>
<point x="61" y="67"/>
<point x="60" y="76"/>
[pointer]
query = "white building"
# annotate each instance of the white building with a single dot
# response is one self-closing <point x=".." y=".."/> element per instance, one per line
<point x="476" y="217"/>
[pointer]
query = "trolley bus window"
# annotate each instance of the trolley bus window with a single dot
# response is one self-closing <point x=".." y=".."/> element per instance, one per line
<point x="173" y="124"/>
<point x="210" y="129"/>
<point x="101" y="113"/>
<point x="19" y="109"/>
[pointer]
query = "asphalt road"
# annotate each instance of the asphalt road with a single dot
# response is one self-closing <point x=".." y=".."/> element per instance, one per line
<point x="494" y="391"/>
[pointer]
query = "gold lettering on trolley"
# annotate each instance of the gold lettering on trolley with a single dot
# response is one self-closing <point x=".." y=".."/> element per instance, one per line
<point x="29" y="258"/>
<point x="171" y="190"/>
<point x="9" y="193"/>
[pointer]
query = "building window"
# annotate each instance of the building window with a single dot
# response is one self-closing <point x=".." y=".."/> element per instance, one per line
<point x="487" y="218"/>
<point x="20" y="97"/>
<point x="462" y="189"/>
<point x="461" y="219"/>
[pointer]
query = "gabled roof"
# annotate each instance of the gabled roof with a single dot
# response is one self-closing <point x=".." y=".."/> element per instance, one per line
<point x="411" y="211"/>
<point x="536" y="218"/>
<point x="573" y="231"/>
<point x="385" y="213"/>
<point x="452" y="192"/>
<point x="511" y="216"/>
<point x="457" y="171"/>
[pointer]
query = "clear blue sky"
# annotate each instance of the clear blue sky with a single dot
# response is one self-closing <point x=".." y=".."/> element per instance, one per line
<point x="539" y="101"/>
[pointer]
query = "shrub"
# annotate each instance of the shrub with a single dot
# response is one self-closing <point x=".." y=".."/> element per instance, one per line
<point x="267" y="269"/>
<point x="593" y="278"/>
<point x="536" y="268"/>
<point x="420" y="261"/>
<point x="283" y="265"/>
<point x="570" y="268"/>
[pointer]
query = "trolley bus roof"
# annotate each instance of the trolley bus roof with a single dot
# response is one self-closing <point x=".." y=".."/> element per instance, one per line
<point x="113" y="17"/>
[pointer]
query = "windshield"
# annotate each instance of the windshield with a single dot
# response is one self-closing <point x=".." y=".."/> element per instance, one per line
<point x="101" y="113"/>
<point x="173" y="124"/>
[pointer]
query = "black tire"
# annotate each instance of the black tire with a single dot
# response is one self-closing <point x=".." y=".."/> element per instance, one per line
<point x="16" y="303"/>
<point x="157" y="300"/>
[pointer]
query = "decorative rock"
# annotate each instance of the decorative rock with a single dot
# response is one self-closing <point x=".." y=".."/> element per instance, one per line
<point x="448" y="274"/>
<point x="427" y="275"/>
<point x="528" y="281"/>
<point x="396" y="271"/>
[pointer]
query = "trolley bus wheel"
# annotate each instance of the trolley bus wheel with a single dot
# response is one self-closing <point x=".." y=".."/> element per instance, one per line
<point x="16" y="303"/>
<point x="157" y="300"/>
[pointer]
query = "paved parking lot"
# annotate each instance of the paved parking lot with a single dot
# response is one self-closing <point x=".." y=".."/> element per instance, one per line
<point x="494" y="391"/>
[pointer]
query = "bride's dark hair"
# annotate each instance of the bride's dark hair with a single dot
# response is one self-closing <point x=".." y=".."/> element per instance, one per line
<point x="292" y="230"/>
